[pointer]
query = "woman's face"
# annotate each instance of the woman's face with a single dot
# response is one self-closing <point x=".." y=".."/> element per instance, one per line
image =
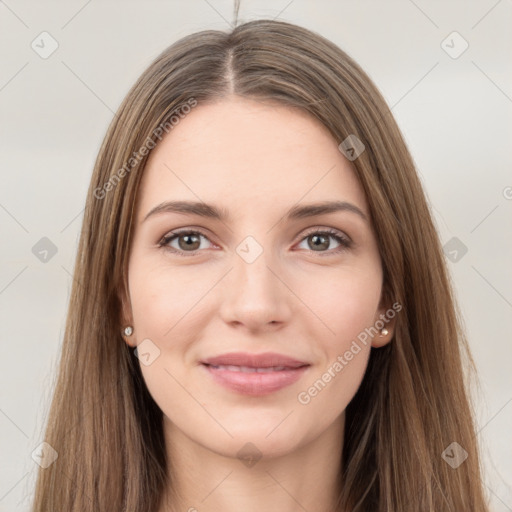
<point x="254" y="270"/>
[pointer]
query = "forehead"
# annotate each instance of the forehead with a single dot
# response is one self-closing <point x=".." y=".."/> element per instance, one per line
<point x="251" y="155"/>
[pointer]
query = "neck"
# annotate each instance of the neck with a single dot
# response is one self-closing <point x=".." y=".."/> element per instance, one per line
<point x="201" y="480"/>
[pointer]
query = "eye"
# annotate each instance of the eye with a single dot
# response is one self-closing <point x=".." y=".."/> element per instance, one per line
<point x="186" y="241"/>
<point x="320" y="241"/>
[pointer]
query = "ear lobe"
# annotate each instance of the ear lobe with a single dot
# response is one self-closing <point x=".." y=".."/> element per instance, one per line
<point x="385" y="322"/>
<point x="383" y="337"/>
<point x="128" y="336"/>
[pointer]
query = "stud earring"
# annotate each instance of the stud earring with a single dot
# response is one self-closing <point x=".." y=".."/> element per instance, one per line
<point x="384" y="332"/>
<point x="128" y="330"/>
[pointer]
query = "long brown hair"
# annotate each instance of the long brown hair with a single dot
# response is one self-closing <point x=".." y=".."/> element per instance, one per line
<point x="414" y="399"/>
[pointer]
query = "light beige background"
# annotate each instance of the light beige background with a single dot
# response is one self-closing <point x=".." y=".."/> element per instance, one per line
<point x="455" y="114"/>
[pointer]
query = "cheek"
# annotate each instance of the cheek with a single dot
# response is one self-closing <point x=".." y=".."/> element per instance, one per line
<point x="166" y="309"/>
<point x="347" y="306"/>
<point x="345" y="301"/>
<point x="169" y="310"/>
<point x="162" y="301"/>
<point x="329" y="392"/>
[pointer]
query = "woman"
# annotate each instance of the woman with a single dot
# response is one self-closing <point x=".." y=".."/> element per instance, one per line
<point x="261" y="316"/>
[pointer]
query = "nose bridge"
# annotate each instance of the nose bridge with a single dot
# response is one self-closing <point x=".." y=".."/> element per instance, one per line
<point x="253" y="294"/>
<point x="252" y="275"/>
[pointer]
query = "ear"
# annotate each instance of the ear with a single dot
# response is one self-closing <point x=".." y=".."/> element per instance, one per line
<point x="126" y="317"/>
<point x="385" y="321"/>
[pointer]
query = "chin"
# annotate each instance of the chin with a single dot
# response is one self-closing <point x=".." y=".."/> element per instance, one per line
<point x="268" y="438"/>
<point x="252" y="447"/>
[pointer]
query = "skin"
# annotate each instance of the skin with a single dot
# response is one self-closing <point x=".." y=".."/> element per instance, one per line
<point x="256" y="160"/>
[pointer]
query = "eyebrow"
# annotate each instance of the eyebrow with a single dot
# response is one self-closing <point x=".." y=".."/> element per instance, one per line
<point x="214" y="212"/>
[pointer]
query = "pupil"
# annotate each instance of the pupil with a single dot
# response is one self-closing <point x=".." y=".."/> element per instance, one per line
<point x="190" y="240"/>
<point x="317" y="238"/>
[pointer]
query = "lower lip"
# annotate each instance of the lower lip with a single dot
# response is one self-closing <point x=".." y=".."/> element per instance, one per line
<point x="254" y="383"/>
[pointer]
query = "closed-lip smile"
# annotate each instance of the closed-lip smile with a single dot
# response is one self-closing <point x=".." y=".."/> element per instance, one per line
<point x="254" y="374"/>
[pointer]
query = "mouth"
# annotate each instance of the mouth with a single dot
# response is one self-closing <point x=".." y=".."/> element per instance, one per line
<point x="253" y="374"/>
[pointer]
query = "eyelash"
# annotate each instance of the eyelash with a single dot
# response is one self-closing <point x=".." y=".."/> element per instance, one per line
<point x="345" y="242"/>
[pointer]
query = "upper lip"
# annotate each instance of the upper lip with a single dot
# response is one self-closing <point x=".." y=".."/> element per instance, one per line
<point x="264" y="360"/>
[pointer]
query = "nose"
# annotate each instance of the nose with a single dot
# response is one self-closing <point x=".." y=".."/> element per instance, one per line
<point x="256" y="295"/>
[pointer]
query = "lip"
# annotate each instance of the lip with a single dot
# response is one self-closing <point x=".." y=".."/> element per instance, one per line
<point x="263" y="360"/>
<point x="254" y="374"/>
